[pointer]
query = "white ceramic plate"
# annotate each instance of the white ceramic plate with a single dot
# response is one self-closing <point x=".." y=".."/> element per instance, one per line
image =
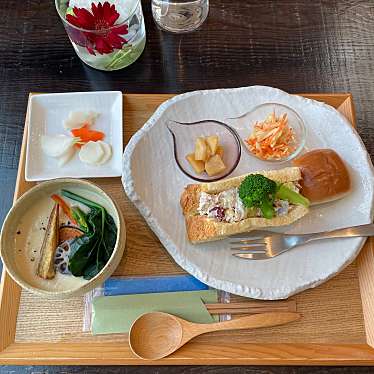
<point x="47" y="113"/>
<point x="154" y="183"/>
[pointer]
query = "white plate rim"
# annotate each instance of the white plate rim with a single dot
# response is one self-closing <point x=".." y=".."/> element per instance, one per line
<point x="229" y="286"/>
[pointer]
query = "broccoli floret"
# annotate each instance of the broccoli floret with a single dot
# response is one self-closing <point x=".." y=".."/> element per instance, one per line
<point x="284" y="193"/>
<point x="259" y="192"/>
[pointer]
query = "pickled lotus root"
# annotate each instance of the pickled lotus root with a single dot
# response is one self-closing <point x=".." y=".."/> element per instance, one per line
<point x="62" y="258"/>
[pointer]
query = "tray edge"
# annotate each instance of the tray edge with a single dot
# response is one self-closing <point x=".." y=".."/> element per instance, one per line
<point x="324" y="354"/>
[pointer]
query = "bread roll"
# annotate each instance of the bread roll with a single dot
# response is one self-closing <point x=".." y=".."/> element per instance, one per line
<point x="324" y="176"/>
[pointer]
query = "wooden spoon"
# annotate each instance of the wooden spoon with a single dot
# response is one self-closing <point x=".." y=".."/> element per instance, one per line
<point x="156" y="335"/>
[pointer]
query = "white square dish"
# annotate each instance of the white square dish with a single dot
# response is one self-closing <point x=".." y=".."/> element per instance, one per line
<point x="47" y="114"/>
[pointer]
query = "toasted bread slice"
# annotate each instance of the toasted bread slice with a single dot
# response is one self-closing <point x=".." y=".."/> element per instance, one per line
<point x="203" y="229"/>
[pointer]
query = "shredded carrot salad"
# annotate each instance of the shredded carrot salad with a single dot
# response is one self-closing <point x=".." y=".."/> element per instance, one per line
<point x="272" y="138"/>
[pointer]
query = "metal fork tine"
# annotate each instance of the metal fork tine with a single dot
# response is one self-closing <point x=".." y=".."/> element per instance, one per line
<point x="251" y="248"/>
<point x="249" y="241"/>
<point x="247" y="237"/>
<point x="252" y="256"/>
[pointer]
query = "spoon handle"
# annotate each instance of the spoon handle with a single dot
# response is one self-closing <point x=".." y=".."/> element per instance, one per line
<point x="250" y="322"/>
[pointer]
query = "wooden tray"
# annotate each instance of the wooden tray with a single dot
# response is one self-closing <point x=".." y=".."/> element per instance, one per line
<point x="338" y="317"/>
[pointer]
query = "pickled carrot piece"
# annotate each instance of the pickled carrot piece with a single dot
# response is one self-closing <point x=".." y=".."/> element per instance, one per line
<point x="86" y="135"/>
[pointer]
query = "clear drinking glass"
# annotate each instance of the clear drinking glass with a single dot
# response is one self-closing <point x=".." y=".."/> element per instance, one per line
<point x="106" y="35"/>
<point x="180" y="15"/>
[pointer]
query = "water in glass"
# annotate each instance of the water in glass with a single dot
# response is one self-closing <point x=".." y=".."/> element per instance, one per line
<point x="180" y="15"/>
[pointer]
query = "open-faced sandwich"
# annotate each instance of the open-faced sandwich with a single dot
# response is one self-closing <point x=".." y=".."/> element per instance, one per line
<point x="263" y="199"/>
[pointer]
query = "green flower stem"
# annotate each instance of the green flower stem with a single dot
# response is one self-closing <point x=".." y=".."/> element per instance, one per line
<point x="119" y="57"/>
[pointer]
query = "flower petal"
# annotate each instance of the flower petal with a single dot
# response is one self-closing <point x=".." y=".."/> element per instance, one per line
<point x="102" y="46"/>
<point x="110" y="13"/>
<point x="97" y="10"/>
<point x="90" y="51"/>
<point x="94" y="9"/>
<point x="106" y="10"/>
<point x="84" y="15"/>
<point x="73" y="20"/>
<point x="115" y="40"/>
<point x="121" y="30"/>
<point x="82" y="18"/>
<point x="103" y="16"/>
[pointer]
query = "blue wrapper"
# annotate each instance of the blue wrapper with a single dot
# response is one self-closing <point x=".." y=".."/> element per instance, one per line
<point x="138" y="285"/>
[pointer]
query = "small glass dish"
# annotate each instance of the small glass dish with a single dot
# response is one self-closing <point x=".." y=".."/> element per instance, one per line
<point x="244" y="126"/>
<point x="184" y="136"/>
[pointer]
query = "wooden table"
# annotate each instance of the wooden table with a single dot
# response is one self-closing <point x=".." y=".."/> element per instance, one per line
<point x="296" y="45"/>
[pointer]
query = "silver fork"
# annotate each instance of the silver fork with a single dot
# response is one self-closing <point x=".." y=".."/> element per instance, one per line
<point x="261" y="245"/>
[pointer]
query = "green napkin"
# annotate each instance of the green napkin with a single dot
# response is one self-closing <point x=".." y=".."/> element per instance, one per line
<point x="115" y="314"/>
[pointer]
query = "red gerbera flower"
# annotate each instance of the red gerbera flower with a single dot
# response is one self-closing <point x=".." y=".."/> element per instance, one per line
<point x="102" y="20"/>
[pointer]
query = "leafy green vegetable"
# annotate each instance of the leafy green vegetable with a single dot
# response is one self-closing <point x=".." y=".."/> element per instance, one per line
<point x="257" y="191"/>
<point x="90" y="252"/>
<point x="80" y="218"/>
<point x="81" y="199"/>
<point x="285" y="193"/>
<point x="80" y="251"/>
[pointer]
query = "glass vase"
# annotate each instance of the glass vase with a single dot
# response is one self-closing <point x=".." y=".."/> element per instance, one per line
<point x="101" y="44"/>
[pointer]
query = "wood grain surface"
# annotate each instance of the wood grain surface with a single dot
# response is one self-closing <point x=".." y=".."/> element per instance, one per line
<point x="332" y="328"/>
<point x="296" y="45"/>
<point x="319" y="306"/>
<point x="182" y="370"/>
